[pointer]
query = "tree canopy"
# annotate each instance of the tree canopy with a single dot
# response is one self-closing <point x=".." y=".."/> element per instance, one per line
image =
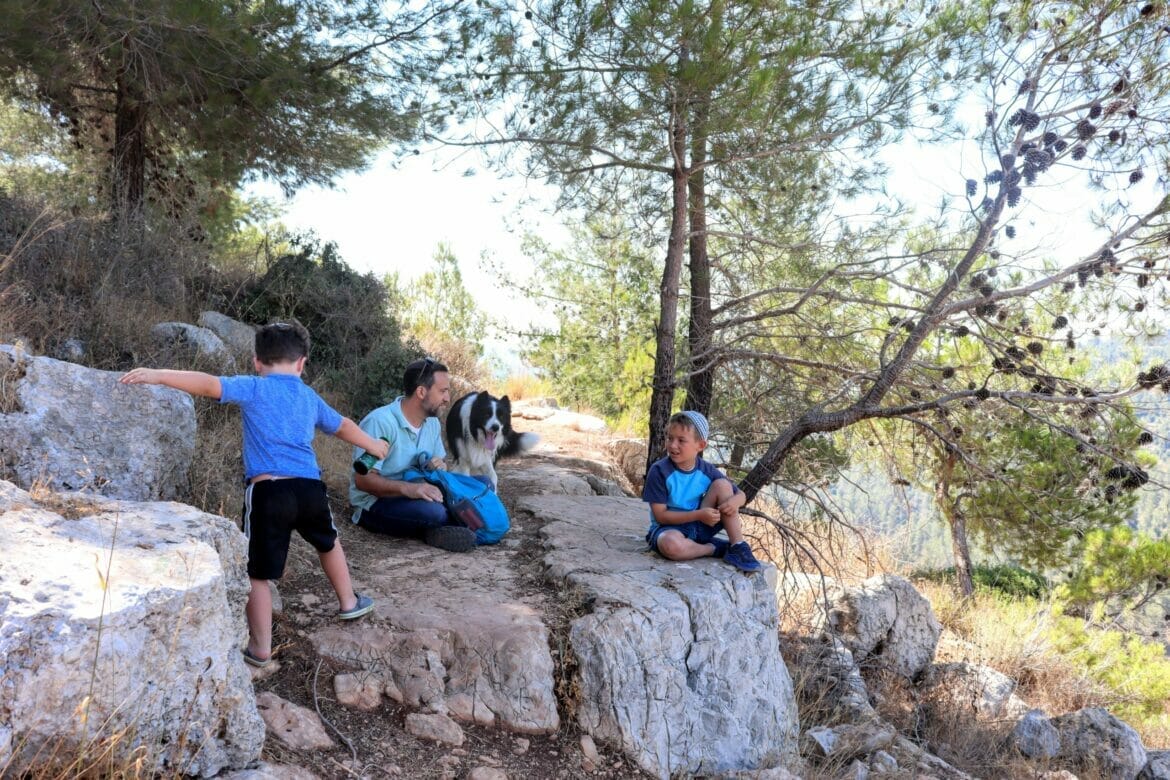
<point x="166" y="95"/>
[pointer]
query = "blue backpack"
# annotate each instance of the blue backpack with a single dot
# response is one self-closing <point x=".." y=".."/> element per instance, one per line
<point x="469" y="501"/>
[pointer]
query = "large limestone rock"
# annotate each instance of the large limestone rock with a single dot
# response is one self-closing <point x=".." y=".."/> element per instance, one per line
<point x="541" y="479"/>
<point x="68" y="427"/>
<point x="630" y="457"/>
<point x="1094" y="740"/>
<point x="451" y="635"/>
<point x="984" y="692"/>
<point x="182" y="343"/>
<point x="1035" y="736"/>
<point x="678" y="663"/>
<point x="1157" y="767"/>
<point x="237" y="336"/>
<point x="886" y="621"/>
<point x="121" y="623"/>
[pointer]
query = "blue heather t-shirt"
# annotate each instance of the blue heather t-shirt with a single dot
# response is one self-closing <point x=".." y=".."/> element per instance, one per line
<point x="681" y="491"/>
<point x="280" y="415"/>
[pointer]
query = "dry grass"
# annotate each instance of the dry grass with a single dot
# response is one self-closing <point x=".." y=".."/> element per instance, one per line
<point x="467" y="369"/>
<point x="11" y="371"/>
<point x="65" y="277"/>
<point x="1016" y="637"/>
<point x="520" y="387"/>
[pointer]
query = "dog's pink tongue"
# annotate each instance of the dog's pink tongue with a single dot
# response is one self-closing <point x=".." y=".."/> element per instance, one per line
<point x="490" y="444"/>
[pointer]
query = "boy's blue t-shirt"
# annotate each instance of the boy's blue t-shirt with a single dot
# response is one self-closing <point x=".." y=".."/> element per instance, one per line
<point x="681" y="491"/>
<point x="280" y="415"/>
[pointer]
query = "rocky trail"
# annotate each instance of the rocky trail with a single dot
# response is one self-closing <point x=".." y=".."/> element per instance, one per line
<point x="436" y="634"/>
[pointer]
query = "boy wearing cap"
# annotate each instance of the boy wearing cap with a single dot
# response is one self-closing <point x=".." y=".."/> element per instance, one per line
<point x="691" y="500"/>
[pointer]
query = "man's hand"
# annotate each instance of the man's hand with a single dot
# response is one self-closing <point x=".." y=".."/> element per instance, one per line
<point x="423" y="490"/>
<point x="708" y="515"/>
<point x="437" y="463"/>
<point x="731" y="506"/>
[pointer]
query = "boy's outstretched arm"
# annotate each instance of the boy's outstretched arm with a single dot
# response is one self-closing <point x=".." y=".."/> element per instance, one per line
<point x="193" y="382"/>
<point x="351" y="433"/>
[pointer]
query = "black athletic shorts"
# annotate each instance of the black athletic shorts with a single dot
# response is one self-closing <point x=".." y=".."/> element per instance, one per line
<point x="273" y="508"/>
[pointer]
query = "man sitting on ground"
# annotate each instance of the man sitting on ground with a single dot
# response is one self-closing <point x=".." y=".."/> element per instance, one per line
<point x="382" y="501"/>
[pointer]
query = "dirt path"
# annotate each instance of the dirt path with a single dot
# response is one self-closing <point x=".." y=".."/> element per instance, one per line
<point x="375" y="744"/>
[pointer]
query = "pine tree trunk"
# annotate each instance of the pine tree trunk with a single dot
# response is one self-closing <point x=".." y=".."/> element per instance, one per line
<point x="958" y="525"/>
<point x="662" y="393"/>
<point x="700" y="386"/>
<point x="129" y="163"/>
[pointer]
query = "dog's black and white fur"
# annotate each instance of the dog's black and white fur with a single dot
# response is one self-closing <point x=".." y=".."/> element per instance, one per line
<point x="479" y="432"/>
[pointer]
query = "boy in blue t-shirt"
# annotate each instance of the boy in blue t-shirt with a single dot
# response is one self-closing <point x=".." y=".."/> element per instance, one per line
<point x="285" y="491"/>
<point x="691" y="500"/>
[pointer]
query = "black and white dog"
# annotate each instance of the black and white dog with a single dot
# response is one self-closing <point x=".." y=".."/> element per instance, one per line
<point x="479" y="432"/>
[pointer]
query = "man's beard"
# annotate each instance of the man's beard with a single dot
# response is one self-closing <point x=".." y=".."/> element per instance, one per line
<point x="432" y="411"/>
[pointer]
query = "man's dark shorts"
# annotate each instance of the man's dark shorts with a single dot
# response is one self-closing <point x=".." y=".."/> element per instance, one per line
<point x="696" y="531"/>
<point x="273" y="509"/>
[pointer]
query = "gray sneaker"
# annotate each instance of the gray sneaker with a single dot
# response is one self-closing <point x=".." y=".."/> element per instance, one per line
<point x="452" y="538"/>
<point x="363" y="606"/>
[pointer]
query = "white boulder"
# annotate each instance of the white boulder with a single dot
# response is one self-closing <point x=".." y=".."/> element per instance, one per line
<point x="121" y="626"/>
<point x="678" y="663"/>
<point x="68" y="427"/>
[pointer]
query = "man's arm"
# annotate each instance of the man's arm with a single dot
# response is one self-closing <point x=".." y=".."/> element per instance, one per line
<point x="193" y="382"/>
<point x="381" y="487"/>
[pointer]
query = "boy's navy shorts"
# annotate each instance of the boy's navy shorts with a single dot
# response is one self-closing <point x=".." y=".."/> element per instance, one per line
<point x="696" y="531"/>
<point x="273" y="509"/>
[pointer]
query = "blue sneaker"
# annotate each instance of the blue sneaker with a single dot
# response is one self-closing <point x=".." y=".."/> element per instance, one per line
<point x="740" y="556"/>
<point x="363" y="606"/>
<point x="720" y="546"/>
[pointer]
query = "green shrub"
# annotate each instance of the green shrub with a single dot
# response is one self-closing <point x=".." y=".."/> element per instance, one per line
<point x="1000" y="578"/>
<point x="1135" y="671"/>
<point x="357" y="349"/>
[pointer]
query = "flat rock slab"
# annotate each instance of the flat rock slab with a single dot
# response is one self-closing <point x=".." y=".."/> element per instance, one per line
<point x="679" y="663"/>
<point x="451" y="634"/>
<point x="120" y="618"/>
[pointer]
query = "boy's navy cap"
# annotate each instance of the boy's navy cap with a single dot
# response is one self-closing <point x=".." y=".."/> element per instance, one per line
<point x="701" y="426"/>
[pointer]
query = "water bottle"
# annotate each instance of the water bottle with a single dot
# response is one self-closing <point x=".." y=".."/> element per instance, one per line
<point x="366" y="462"/>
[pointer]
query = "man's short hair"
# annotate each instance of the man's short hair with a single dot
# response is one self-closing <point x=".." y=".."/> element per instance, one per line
<point x="281" y="342"/>
<point x="421" y="373"/>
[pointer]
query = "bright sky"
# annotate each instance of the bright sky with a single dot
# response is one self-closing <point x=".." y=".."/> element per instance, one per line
<point x="392" y="217"/>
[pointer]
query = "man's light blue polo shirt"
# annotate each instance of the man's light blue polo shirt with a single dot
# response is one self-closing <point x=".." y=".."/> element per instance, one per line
<point x="388" y="422"/>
